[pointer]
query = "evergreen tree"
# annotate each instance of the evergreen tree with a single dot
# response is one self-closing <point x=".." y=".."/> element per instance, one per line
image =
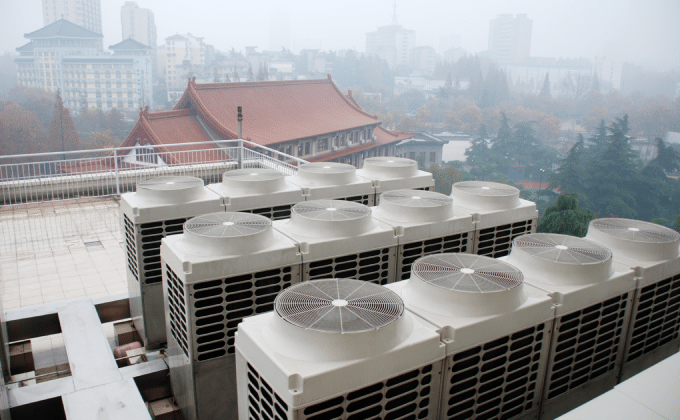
<point x="568" y="177"/>
<point x="545" y="90"/>
<point x="595" y="84"/>
<point x="226" y="78"/>
<point x="260" y="74"/>
<point x="566" y="217"/>
<point x="236" y="76"/>
<point x="666" y="157"/>
<point x="62" y="133"/>
<point x="250" y="78"/>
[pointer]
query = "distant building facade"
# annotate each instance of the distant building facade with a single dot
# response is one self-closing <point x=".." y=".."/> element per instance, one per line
<point x="68" y="57"/>
<point x="423" y="60"/>
<point x="85" y="13"/>
<point x="427" y="149"/>
<point x="391" y="43"/>
<point x="138" y="24"/>
<point x="185" y="54"/>
<point x="510" y="38"/>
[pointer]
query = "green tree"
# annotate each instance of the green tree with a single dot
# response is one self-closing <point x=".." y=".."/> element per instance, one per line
<point x="569" y="176"/>
<point x="250" y="78"/>
<point x="566" y="217"/>
<point x="62" y="134"/>
<point x="545" y="90"/>
<point x="666" y="157"/>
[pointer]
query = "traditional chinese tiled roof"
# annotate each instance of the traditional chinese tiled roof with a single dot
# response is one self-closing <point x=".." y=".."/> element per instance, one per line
<point x="275" y="112"/>
<point x="26" y="47"/>
<point x="63" y="28"/>
<point x="129" y="44"/>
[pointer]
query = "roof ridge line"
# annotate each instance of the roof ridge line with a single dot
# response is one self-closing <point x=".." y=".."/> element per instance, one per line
<point x="207" y="115"/>
<point x="344" y="98"/>
<point x="202" y="86"/>
<point x="170" y="113"/>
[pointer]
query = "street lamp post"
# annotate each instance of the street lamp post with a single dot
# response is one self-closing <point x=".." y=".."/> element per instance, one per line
<point x="540" y="182"/>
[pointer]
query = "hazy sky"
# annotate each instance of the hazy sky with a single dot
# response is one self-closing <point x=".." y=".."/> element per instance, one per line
<point x="630" y="30"/>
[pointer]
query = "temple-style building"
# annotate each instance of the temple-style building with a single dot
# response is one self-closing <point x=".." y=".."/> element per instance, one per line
<point x="309" y="119"/>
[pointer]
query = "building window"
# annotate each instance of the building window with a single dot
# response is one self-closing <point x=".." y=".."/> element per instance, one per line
<point x="433" y="157"/>
<point x="146" y="154"/>
<point x="308" y="148"/>
<point x="412" y="155"/>
<point x="322" y="145"/>
<point x="299" y="149"/>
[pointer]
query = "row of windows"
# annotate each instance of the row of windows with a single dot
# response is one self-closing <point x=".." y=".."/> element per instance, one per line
<point x="421" y="156"/>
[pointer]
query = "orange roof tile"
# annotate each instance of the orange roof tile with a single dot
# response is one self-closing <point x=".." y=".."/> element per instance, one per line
<point x="277" y="111"/>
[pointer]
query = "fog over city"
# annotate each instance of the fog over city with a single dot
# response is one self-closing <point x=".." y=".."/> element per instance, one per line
<point x="642" y="32"/>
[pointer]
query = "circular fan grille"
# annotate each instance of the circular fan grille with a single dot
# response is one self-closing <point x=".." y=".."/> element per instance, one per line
<point x="332" y="210"/>
<point x="252" y="175"/>
<point x="339" y="306"/>
<point x="562" y="249"/>
<point x="227" y="225"/>
<point x="486" y="188"/>
<point x="170" y="183"/>
<point x="326" y="168"/>
<point x="390" y="162"/>
<point x="635" y="230"/>
<point x="416" y="198"/>
<point x="467" y="273"/>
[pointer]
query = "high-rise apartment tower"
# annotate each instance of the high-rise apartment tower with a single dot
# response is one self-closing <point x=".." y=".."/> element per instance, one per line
<point x="510" y="38"/>
<point x="85" y="13"/>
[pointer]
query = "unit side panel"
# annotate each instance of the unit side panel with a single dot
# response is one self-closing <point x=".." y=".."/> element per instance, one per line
<point x="654" y="332"/>
<point x="377" y="266"/>
<point x="408" y="253"/>
<point x="587" y="348"/>
<point x="217" y="306"/>
<point x="501" y="379"/>
<point x="496" y="241"/>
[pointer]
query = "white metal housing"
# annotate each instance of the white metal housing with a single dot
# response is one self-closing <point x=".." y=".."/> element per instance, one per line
<point x="652" y="251"/>
<point x="158" y="208"/>
<point x="226" y="266"/>
<point x="496" y="329"/>
<point x="426" y="223"/>
<point x="341" y="239"/>
<point x="499" y="214"/>
<point x="333" y="180"/>
<point x="389" y="173"/>
<point x="259" y="191"/>
<point x="592" y="297"/>
<point x="338" y="348"/>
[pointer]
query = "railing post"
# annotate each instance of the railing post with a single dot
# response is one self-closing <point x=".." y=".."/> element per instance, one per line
<point x="115" y="163"/>
<point x="240" y="154"/>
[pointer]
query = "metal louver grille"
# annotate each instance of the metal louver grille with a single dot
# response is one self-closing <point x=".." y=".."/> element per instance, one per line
<point x="131" y="246"/>
<point x="656" y="318"/>
<point x="562" y="249"/>
<point x="361" y="199"/>
<point x="330" y="210"/>
<point x="497" y="380"/>
<point x="410" y="252"/>
<point x="177" y="310"/>
<point x="218" y="306"/>
<point x="227" y="225"/>
<point x="495" y="241"/>
<point x="339" y="306"/>
<point x="406" y="396"/>
<point x="586" y="345"/>
<point x="274" y="213"/>
<point x="263" y="402"/>
<point x="149" y="246"/>
<point x="375" y="266"/>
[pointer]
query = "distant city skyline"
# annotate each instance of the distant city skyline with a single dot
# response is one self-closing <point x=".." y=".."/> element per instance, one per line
<point x="628" y="30"/>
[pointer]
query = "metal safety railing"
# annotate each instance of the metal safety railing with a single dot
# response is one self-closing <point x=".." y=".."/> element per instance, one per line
<point x="34" y="178"/>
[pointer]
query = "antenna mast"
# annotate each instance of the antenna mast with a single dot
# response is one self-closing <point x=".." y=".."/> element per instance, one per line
<point x="394" y="14"/>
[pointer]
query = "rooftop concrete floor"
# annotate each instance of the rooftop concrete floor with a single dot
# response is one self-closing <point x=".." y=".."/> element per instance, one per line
<point x="60" y="250"/>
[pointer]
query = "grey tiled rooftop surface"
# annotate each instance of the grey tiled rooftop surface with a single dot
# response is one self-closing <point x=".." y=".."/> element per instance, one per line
<point x="60" y="250"/>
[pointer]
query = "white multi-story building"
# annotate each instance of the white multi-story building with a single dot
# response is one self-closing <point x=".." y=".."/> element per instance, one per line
<point x="510" y="38"/>
<point x="138" y="24"/>
<point x="391" y="43"/>
<point x="185" y="55"/>
<point x="68" y="57"/>
<point x="85" y="13"/>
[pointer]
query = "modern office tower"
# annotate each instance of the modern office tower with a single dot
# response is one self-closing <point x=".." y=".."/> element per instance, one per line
<point x="510" y="38"/>
<point x="391" y="43"/>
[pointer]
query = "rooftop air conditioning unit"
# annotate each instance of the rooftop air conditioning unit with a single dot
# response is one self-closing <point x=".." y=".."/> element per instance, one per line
<point x="158" y="208"/>
<point x="259" y="191"/>
<point x="426" y="223"/>
<point x="496" y="330"/>
<point x="338" y="349"/>
<point x="655" y="321"/>
<point x="341" y="239"/>
<point x="332" y="180"/>
<point x="592" y="297"/>
<point x="499" y="214"/>
<point x="393" y="173"/>
<point x="225" y="266"/>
